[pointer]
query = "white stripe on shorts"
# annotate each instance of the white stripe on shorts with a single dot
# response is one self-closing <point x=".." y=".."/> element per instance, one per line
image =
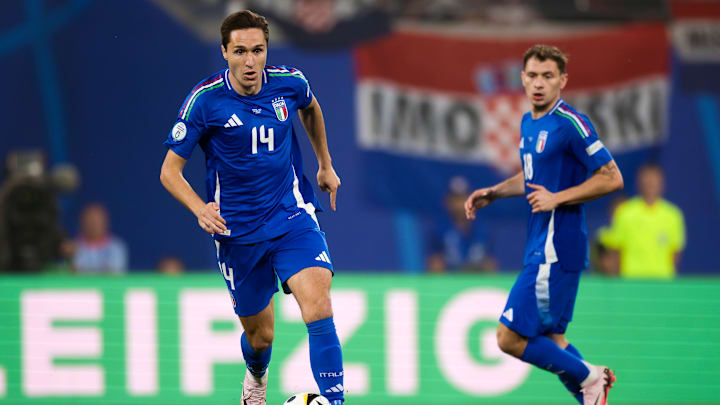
<point x="542" y="289"/>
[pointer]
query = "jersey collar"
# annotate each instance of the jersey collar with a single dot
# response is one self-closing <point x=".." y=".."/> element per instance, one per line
<point x="552" y="110"/>
<point x="229" y="86"/>
<point x="227" y="79"/>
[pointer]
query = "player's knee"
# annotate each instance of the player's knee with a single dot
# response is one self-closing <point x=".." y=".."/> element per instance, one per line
<point x="261" y="345"/>
<point x="317" y="309"/>
<point x="261" y="338"/>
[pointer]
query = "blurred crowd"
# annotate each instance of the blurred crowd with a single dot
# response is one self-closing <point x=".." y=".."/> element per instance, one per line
<point x="644" y="236"/>
<point x="341" y="23"/>
<point x="32" y="238"/>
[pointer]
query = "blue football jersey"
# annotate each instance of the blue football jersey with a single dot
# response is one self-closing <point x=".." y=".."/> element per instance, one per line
<point x="559" y="150"/>
<point x="253" y="160"/>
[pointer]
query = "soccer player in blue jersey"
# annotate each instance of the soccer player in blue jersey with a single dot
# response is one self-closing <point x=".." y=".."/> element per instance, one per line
<point x="564" y="165"/>
<point x="261" y="209"/>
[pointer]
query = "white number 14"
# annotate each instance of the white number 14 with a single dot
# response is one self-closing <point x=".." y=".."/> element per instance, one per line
<point x="268" y="138"/>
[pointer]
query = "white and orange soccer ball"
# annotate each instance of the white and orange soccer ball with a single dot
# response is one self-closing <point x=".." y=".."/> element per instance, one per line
<point x="307" y="398"/>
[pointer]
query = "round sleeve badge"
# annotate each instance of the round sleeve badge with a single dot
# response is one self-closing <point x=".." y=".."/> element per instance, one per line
<point x="179" y="131"/>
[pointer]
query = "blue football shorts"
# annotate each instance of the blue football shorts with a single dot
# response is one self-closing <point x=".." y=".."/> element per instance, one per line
<point x="252" y="271"/>
<point x="542" y="300"/>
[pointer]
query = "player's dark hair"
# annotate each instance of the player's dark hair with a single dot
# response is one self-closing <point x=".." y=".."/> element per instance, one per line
<point x="545" y="52"/>
<point x="243" y="20"/>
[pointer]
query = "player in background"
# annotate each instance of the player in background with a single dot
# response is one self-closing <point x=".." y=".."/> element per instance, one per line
<point x="261" y="209"/>
<point x="564" y="165"/>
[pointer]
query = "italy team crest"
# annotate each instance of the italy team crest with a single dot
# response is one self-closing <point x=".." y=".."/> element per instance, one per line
<point x="542" y="139"/>
<point x="280" y="108"/>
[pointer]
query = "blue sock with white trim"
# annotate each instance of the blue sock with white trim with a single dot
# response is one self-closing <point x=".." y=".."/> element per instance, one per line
<point x="326" y="359"/>
<point x="543" y="352"/>
<point x="256" y="362"/>
<point x="574" y="388"/>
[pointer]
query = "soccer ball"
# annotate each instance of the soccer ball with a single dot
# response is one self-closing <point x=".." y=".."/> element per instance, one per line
<point x="307" y="398"/>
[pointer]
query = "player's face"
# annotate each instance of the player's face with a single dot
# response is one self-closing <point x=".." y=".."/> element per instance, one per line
<point x="543" y="82"/>
<point x="246" y="53"/>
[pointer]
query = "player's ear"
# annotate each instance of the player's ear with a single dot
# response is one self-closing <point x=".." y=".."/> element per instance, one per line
<point x="224" y="51"/>
<point x="563" y="80"/>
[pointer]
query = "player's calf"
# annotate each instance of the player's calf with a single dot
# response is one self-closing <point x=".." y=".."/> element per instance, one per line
<point x="256" y="360"/>
<point x="256" y="340"/>
<point x="311" y="288"/>
<point x="572" y="386"/>
<point x="326" y="359"/>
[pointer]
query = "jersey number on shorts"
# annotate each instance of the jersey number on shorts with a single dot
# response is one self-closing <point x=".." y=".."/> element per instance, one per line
<point x="527" y="166"/>
<point x="228" y="274"/>
<point x="268" y="138"/>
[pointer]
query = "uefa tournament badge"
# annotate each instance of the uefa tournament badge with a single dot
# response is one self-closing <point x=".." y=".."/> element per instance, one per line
<point x="542" y="138"/>
<point x="280" y="108"/>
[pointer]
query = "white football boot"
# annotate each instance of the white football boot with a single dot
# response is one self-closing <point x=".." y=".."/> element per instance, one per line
<point x="596" y="392"/>
<point x="254" y="389"/>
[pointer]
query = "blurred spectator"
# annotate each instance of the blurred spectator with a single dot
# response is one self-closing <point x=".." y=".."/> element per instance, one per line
<point x="170" y="265"/>
<point x="31" y="238"/>
<point x="460" y="245"/>
<point x="602" y="258"/>
<point x="96" y="250"/>
<point x="648" y="231"/>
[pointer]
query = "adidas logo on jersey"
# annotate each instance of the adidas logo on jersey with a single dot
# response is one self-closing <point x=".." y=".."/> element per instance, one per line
<point x="233" y="121"/>
<point x="508" y="314"/>
<point x="337" y="388"/>
<point x="323" y="257"/>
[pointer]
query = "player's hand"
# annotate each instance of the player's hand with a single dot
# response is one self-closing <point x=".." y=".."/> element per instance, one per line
<point x="480" y="198"/>
<point x="541" y="200"/>
<point x="329" y="182"/>
<point x="210" y="220"/>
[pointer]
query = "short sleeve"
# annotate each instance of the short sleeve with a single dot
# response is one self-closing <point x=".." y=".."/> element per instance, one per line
<point x="188" y="128"/>
<point x="302" y="87"/>
<point x="584" y="142"/>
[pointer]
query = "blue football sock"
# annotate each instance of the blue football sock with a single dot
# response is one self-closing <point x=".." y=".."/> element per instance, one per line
<point x="542" y="352"/>
<point x="572" y="387"/>
<point x="256" y="362"/>
<point x="326" y="359"/>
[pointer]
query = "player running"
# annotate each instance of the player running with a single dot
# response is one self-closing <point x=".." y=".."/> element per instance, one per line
<point x="564" y="165"/>
<point x="261" y="209"/>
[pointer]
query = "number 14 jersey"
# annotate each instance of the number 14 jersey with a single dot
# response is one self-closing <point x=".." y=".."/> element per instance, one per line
<point x="253" y="160"/>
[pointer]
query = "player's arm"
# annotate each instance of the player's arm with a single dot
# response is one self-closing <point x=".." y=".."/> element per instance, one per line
<point x="481" y="198"/>
<point x="312" y="119"/>
<point x="171" y="177"/>
<point x="604" y="181"/>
